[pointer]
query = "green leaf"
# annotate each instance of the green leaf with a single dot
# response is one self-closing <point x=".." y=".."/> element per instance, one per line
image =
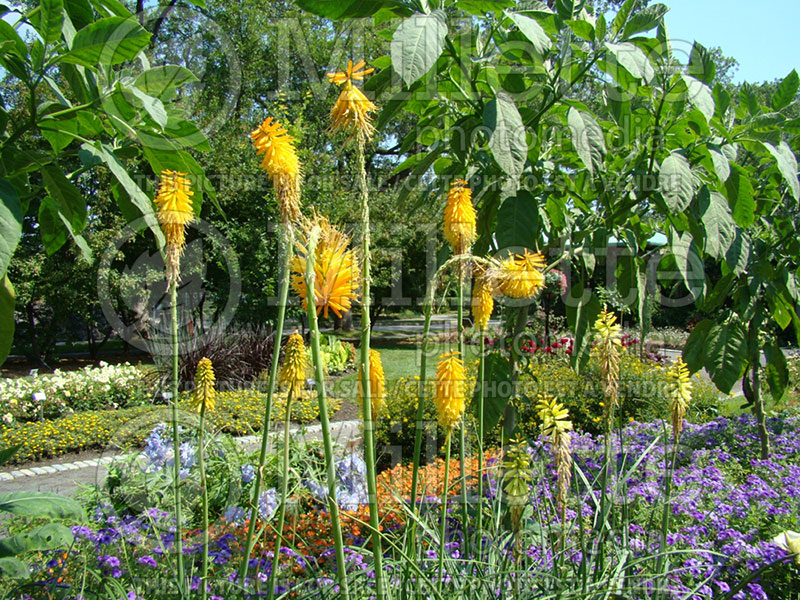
<point x="531" y="29"/>
<point x="52" y="230"/>
<point x="721" y="165"/>
<point x="518" y="222"/>
<point x="726" y="355"/>
<point x="481" y="7"/>
<point x="108" y="41"/>
<point x="587" y="137"/>
<point x="507" y="138"/>
<point x="153" y="106"/>
<point x="777" y="371"/>
<point x="787" y="91"/>
<point x="701" y="64"/>
<point x="676" y="182"/>
<point x="582" y="307"/>
<point x="622" y="17"/>
<point x="781" y="310"/>
<point x="7" y="453"/>
<point x="7" y="32"/>
<point x="719" y="293"/>
<point x="738" y="255"/>
<point x="688" y="262"/>
<point x="496" y="391"/>
<point x="417" y="44"/>
<point x="645" y="20"/>
<point x="787" y="165"/>
<point x="67" y="199"/>
<point x="14" y="568"/>
<point x="740" y="197"/>
<point x="8" y="301"/>
<point x="47" y="537"/>
<point x="10" y="223"/>
<point x="41" y="504"/>
<point x="694" y="351"/>
<point x="80" y="12"/>
<point x="346" y="9"/>
<point x="720" y="228"/>
<point x="633" y="60"/>
<point x="52" y="15"/>
<point x="700" y="96"/>
<point x="583" y="29"/>
<point x="154" y="82"/>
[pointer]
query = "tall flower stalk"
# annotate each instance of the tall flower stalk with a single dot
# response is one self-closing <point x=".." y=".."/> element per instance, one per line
<point x="351" y="114"/>
<point x="283" y="167"/>
<point x="330" y="468"/>
<point x="175" y="211"/>
<point x="203" y="402"/>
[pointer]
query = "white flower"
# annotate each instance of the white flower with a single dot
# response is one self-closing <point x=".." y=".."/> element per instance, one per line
<point x="8" y="418"/>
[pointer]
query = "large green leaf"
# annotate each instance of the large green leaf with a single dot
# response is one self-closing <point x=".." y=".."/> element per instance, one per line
<point x="701" y="64"/>
<point x="700" y="96"/>
<point x="14" y="568"/>
<point x="153" y="106"/>
<point x="787" y="91"/>
<point x="46" y="537"/>
<point x="41" y="504"/>
<point x="10" y="223"/>
<point x="622" y="17"/>
<point x="518" y="222"/>
<point x="694" y="351"/>
<point x="582" y="307"/>
<point x="108" y="41"/>
<point x="481" y="7"/>
<point x="507" y="138"/>
<point x="726" y="354"/>
<point x="531" y="29"/>
<point x="587" y="137"/>
<point x="777" y="370"/>
<point x="646" y="19"/>
<point x="738" y="255"/>
<point x="496" y="391"/>
<point x="722" y="167"/>
<point x="7" y="453"/>
<point x="417" y="43"/>
<point x="676" y="182"/>
<point x="633" y="60"/>
<point x="154" y="82"/>
<point x="720" y="228"/>
<point x="8" y="300"/>
<point x="346" y="9"/>
<point x="52" y="15"/>
<point x="787" y="165"/>
<point x="68" y="200"/>
<point x="740" y="197"/>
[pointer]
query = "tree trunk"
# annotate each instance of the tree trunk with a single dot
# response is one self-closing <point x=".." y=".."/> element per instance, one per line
<point x="34" y="340"/>
<point x="751" y="386"/>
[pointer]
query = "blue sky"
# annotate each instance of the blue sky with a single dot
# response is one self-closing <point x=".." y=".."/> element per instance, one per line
<point x="762" y="35"/>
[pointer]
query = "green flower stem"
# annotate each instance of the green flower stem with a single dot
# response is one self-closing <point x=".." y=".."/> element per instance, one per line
<point x="287" y="420"/>
<point x="481" y="383"/>
<point x="443" y="525"/>
<point x="176" y="439"/>
<point x="288" y="243"/>
<point x="369" y="422"/>
<point x="463" y="428"/>
<point x="204" y="488"/>
<point x="319" y="376"/>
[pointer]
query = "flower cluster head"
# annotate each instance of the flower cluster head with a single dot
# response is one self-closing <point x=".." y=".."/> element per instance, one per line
<point x="460" y="218"/>
<point x="351" y="112"/>
<point x="295" y="364"/>
<point x="203" y="394"/>
<point x="680" y="393"/>
<point x="482" y="301"/>
<point x="351" y="484"/>
<point x="520" y="275"/>
<point x="450" y="390"/>
<point x="608" y="335"/>
<point x="336" y="272"/>
<point x="281" y="164"/>
<point x="556" y="426"/>
<point x="174" y="211"/>
<point x="377" y="383"/>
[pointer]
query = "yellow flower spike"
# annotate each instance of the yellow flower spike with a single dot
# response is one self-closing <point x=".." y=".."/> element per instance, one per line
<point x="680" y="393"/>
<point x="337" y="276"/>
<point x="482" y="302"/>
<point x="377" y="383"/>
<point x="295" y="363"/>
<point x="555" y="418"/>
<point x="351" y="112"/>
<point x="608" y="335"/>
<point x="203" y="396"/>
<point x="174" y="211"/>
<point x="520" y="275"/>
<point x="281" y="164"/>
<point x="450" y="390"/>
<point x="556" y="426"/>
<point x="459" y="217"/>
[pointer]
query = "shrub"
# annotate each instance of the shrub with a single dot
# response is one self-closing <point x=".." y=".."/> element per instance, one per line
<point x="90" y="388"/>
<point x="236" y="413"/>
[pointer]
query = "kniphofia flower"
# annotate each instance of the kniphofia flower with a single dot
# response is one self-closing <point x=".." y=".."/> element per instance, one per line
<point x="609" y="346"/>
<point x="203" y="396"/>
<point x="482" y="302"/>
<point x="337" y="276"/>
<point x="556" y="426"/>
<point x="450" y="390"/>
<point x="377" y="383"/>
<point x="295" y="363"/>
<point x="459" y="217"/>
<point x="520" y="275"/>
<point x="680" y="393"/>
<point x="174" y="211"/>
<point x="351" y="112"/>
<point x="281" y="164"/>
